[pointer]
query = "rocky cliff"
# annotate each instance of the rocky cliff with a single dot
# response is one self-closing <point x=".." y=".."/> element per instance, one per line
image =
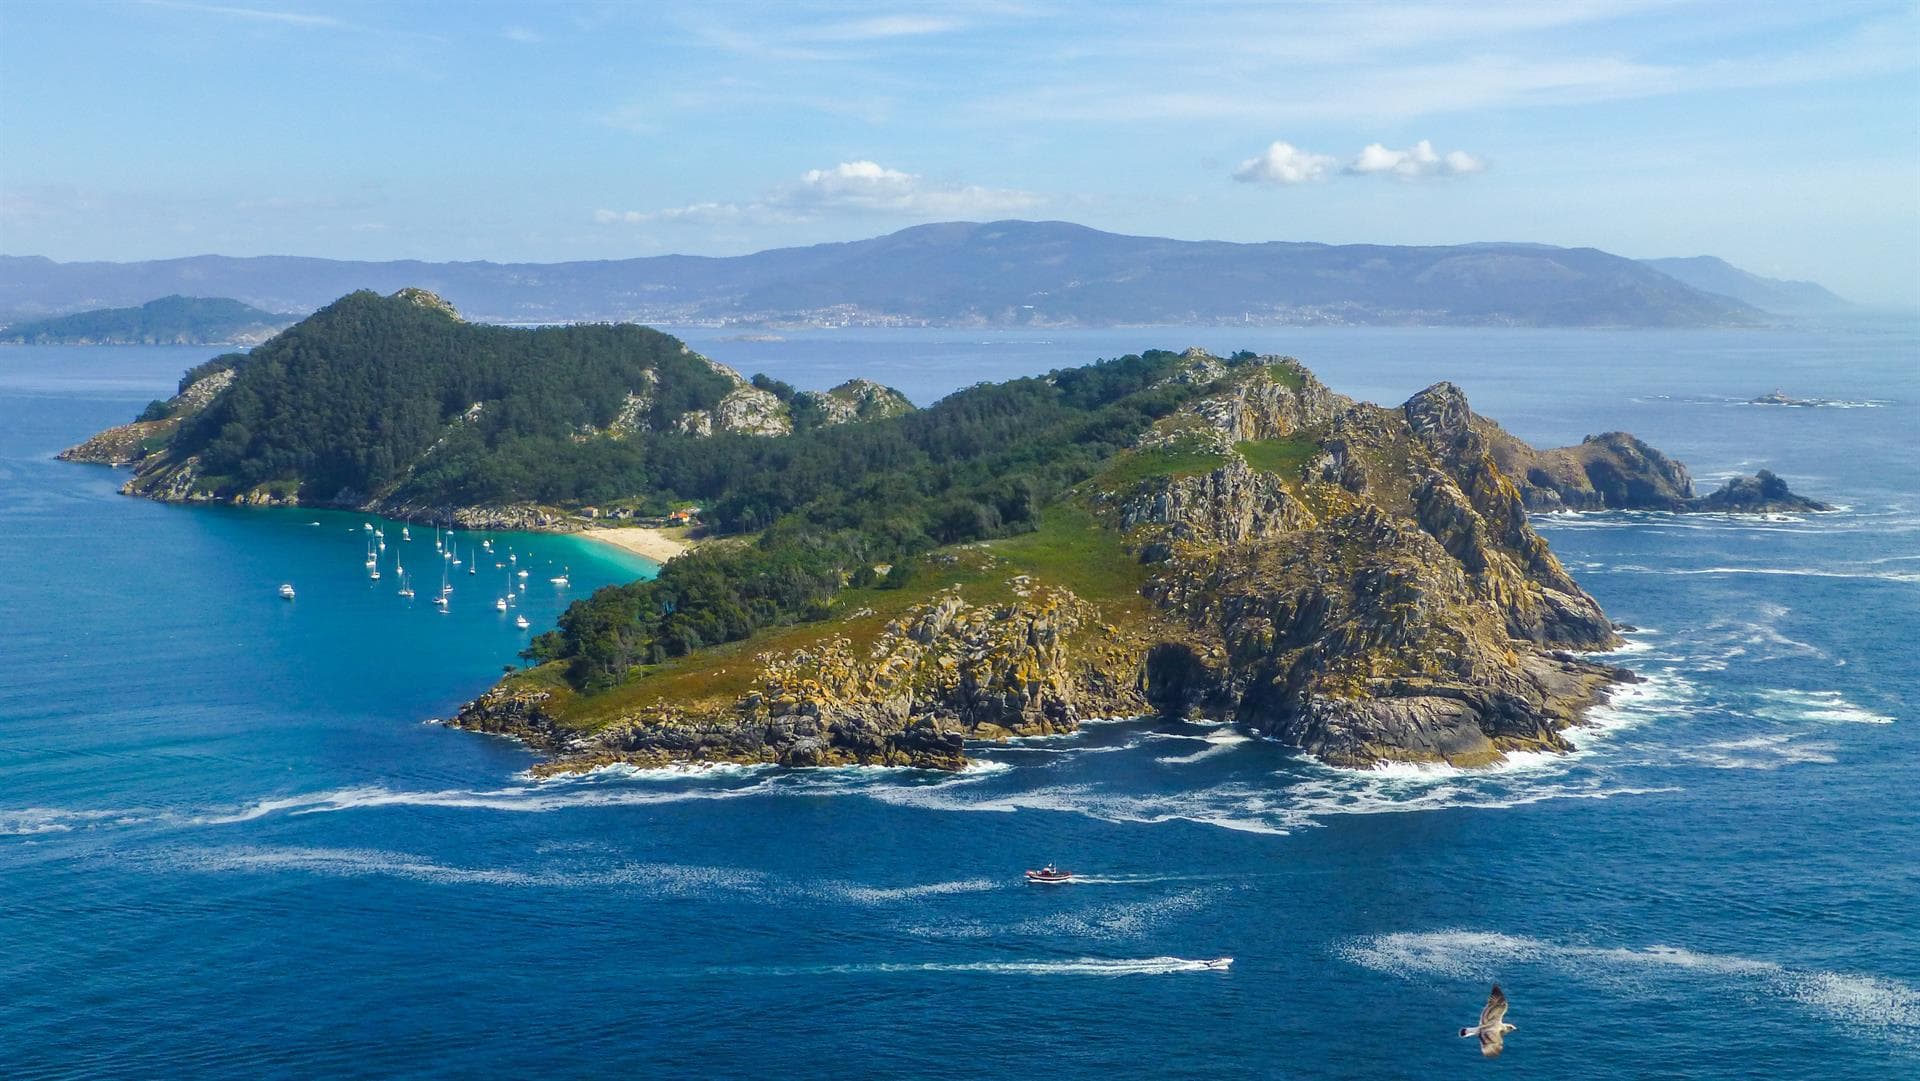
<point x="1357" y="581"/>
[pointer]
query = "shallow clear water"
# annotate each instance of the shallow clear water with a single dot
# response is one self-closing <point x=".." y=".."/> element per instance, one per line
<point x="230" y="848"/>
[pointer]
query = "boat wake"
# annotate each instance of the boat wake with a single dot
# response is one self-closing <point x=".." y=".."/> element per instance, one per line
<point x="1083" y="966"/>
<point x="1872" y="1006"/>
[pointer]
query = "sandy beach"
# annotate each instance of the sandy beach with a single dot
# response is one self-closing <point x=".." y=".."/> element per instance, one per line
<point x="658" y="545"/>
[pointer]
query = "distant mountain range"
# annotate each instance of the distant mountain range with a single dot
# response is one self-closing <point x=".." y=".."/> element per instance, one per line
<point x="1006" y="273"/>
<point x="1715" y="275"/>
<point x="171" y="320"/>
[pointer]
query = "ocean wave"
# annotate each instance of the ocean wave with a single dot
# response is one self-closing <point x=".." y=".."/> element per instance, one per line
<point x="1869" y="1005"/>
<point x="1216" y="743"/>
<point x="674" y="880"/>
<point x="1791" y="572"/>
<point x="677" y="880"/>
<point x="1759" y="753"/>
<point x="1827" y="706"/>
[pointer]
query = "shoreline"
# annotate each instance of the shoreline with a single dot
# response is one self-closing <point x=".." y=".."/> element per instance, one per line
<point x="655" y="545"/>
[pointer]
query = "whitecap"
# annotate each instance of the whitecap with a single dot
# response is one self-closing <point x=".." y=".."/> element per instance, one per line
<point x="1826" y="706"/>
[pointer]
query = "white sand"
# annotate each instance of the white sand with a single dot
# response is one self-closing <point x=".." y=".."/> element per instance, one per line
<point x="658" y="545"/>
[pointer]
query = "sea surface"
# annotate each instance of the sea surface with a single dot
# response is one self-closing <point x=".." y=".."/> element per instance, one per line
<point x="232" y="846"/>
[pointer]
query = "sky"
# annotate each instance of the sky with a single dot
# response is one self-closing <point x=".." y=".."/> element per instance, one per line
<point x="1783" y="137"/>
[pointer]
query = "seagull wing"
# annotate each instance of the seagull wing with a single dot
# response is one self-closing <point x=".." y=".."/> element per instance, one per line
<point x="1491" y="1042"/>
<point x="1494" y="1011"/>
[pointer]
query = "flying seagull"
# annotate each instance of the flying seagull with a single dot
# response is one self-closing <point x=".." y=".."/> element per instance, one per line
<point x="1493" y="1027"/>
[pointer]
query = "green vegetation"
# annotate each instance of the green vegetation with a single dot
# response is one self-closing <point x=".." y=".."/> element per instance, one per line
<point x="1174" y="460"/>
<point x="378" y="395"/>
<point x="174" y="320"/>
<point x="993" y="461"/>
<point x="1282" y="457"/>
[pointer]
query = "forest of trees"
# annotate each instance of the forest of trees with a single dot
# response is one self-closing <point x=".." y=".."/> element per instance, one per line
<point x="834" y="502"/>
<point x="348" y="401"/>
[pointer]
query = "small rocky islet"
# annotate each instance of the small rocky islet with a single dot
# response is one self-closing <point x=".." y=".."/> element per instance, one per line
<point x="1358" y="581"/>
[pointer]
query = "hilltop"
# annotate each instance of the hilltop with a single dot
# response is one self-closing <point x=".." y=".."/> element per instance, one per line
<point x="172" y="320"/>
<point x="396" y="403"/>
<point x="1001" y="273"/>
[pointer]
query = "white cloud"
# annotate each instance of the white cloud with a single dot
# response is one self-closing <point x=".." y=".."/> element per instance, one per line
<point x="851" y="187"/>
<point x="1284" y="163"/>
<point x="870" y="186"/>
<point x="1415" y="162"/>
<point x="522" y="35"/>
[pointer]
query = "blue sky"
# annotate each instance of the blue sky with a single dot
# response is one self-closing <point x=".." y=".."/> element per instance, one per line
<point x="1783" y="137"/>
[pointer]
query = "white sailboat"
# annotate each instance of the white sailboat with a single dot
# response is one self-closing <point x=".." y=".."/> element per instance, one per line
<point x="440" y="601"/>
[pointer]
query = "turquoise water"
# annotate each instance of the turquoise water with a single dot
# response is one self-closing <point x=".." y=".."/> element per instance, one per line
<point x="230" y="848"/>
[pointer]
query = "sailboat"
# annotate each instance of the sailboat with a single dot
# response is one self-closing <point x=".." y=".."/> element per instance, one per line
<point x="406" y="533"/>
<point x="436" y="538"/>
<point x="400" y="572"/>
<point x="440" y="601"/>
<point x="473" y="562"/>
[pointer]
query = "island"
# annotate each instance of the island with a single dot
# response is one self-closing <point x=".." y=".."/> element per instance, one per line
<point x="1170" y="533"/>
<point x="171" y="320"/>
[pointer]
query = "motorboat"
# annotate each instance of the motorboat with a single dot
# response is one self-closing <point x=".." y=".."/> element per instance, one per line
<point x="1218" y="964"/>
<point x="521" y="622"/>
<point x="286" y="591"/>
<point x="1049" y="875"/>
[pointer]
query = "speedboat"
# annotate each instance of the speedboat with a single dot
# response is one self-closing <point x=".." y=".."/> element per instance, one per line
<point x="286" y="591"/>
<point x="1217" y="964"/>
<point x="1049" y="875"/>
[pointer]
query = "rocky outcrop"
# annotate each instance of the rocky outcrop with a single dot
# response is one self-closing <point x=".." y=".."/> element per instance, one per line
<point x="1616" y="471"/>
<point x="1390" y="601"/>
<point x="128" y="444"/>
<point x="1763" y="493"/>
<point x="855" y="399"/>
<point x="942" y="673"/>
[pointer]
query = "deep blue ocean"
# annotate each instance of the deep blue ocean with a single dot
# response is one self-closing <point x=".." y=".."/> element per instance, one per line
<point x="232" y="847"/>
